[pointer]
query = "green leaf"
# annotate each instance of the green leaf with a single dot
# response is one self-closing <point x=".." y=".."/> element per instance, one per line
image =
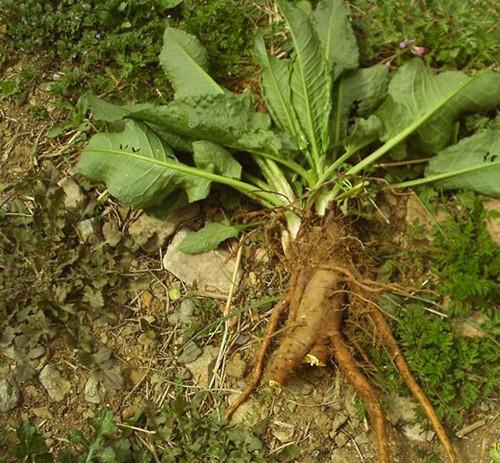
<point x="364" y="132"/>
<point x="227" y="119"/>
<point x="168" y="4"/>
<point x="208" y="238"/>
<point x="212" y="157"/>
<point x="476" y="157"/>
<point x="31" y="445"/>
<point x="310" y="80"/>
<point x="108" y="112"/>
<point x="331" y="21"/>
<point x="185" y="63"/>
<point x="414" y="90"/>
<point x="122" y="161"/>
<point x="275" y="88"/>
<point x="365" y="88"/>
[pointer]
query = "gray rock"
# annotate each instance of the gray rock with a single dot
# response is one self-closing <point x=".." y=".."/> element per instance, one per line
<point x="299" y="386"/>
<point x="201" y="368"/>
<point x="94" y="391"/>
<point x="9" y="395"/>
<point x="341" y="439"/>
<point x="86" y="229"/>
<point x="339" y="420"/>
<point x="190" y="353"/>
<point x="184" y="314"/>
<point x="210" y="272"/>
<point x="145" y="227"/>
<point x="54" y="383"/>
<point x="249" y="413"/>
<point x="236" y="366"/>
<point x="415" y="432"/>
<point x="73" y="195"/>
<point x="401" y="410"/>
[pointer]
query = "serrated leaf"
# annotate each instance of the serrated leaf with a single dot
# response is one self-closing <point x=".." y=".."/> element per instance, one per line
<point x="331" y="21"/>
<point x="184" y="61"/>
<point x="477" y="157"/>
<point x="310" y="80"/>
<point x="208" y="238"/>
<point x="227" y="119"/>
<point x="275" y="89"/>
<point x="415" y="90"/>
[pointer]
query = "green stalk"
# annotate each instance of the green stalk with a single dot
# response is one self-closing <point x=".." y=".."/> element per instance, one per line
<point x="267" y="199"/>
<point x="436" y="177"/>
<point x="387" y="146"/>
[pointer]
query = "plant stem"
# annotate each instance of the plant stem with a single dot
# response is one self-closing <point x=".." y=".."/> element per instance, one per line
<point x="444" y="176"/>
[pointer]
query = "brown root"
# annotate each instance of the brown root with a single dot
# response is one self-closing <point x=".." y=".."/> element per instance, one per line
<point x="313" y="315"/>
<point x="392" y="345"/>
<point x="272" y="326"/>
<point x="362" y="386"/>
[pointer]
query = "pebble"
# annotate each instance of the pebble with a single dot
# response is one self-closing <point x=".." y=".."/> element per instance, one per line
<point x="201" y="368"/>
<point x="128" y="412"/>
<point x="249" y="413"/>
<point x="190" y="353"/>
<point x="42" y="413"/>
<point x="94" y="391"/>
<point x="9" y="395"/>
<point x="236" y="366"/>
<point x="341" y="439"/>
<point x="54" y="383"/>
<point x="339" y="420"/>
<point x="299" y="386"/>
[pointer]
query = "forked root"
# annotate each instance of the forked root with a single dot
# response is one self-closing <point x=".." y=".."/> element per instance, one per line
<point x="256" y="375"/>
<point x="390" y="342"/>
<point x="362" y="386"/>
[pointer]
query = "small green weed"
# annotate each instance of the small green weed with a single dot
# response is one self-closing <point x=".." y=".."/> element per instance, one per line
<point x="49" y="280"/>
<point x="463" y="266"/>
<point x="454" y="33"/>
<point x="180" y="432"/>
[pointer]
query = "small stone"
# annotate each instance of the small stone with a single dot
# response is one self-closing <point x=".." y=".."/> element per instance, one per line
<point x="210" y="272"/>
<point x="339" y="420"/>
<point x="252" y="278"/>
<point x="135" y="376"/>
<point x="185" y="313"/>
<point x="201" y="368"/>
<point x="261" y="256"/>
<point x="145" y="227"/>
<point x="484" y="407"/>
<point x="283" y="431"/>
<point x="471" y="327"/>
<point x="341" y="439"/>
<point x="54" y="383"/>
<point x="43" y="413"/>
<point x="322" y="421"/>
<point x="128" y="412"/>
<point x="111" y="233"/>
<point x="86" y="229"/>
<point x="94" y="392"/>
<point x="190" y="353"/>
<point x="73" y="194"/>
<point x="401" y="410"/>
<point x="361" y="439"/>
<point x="299" y="386"/>
<point x="415" y="432"/>
<point x="236" y="366"/>
<point x="9" y="395"/>
<point x="49" y="442"/>
<point x="249" y="413"/>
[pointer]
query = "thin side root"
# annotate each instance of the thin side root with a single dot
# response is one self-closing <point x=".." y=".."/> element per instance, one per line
<point x="256" y="375"/>
<point x="390" y="342"/>
<point x="363" y="387"/>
